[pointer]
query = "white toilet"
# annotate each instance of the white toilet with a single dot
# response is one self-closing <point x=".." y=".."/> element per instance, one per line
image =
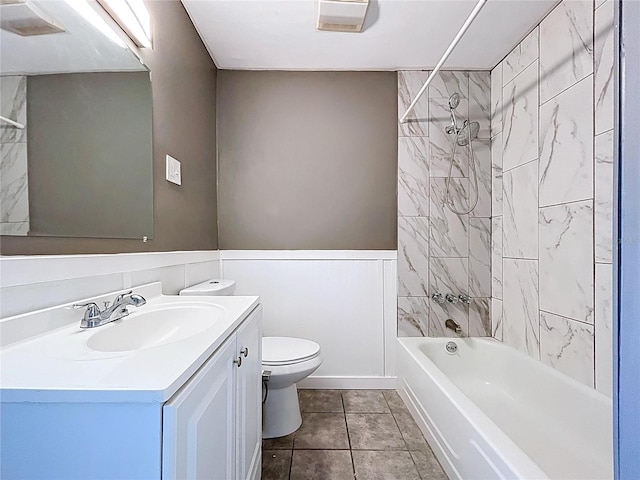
<point x="285" y="362"/>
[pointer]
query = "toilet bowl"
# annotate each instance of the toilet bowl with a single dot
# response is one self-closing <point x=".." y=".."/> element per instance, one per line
<point x="289" y="360"/>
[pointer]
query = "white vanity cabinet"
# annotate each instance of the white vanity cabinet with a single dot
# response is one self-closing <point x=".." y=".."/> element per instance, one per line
<point x="212" y="426"/>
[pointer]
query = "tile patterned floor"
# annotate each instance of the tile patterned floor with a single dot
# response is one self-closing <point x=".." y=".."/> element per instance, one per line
<point x="351" y="434"/>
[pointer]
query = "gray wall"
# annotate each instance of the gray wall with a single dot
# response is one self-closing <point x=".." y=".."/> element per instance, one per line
<point x="184" y="109"/>
<point x="307" y="160"/>
<point x="90" y="154"/>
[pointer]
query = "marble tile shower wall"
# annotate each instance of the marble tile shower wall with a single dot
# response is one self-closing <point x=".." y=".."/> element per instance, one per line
<point x="14" y="193"/>
<point x="440" y="251"/>
<point x="552" y="184"/>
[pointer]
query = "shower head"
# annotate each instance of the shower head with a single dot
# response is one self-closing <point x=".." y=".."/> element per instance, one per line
<point x="454" y="101"/>
<point x="468" y="132"/>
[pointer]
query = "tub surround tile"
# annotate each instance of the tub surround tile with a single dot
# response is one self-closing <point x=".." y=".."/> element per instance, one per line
<point x="449" y="231"/>
<point x="14" y="191"/>
<point x="566" y="260"/>
<point x="566" y="146"/>
<point x="482" y="161"/>
<point x="440" y="313"/>
<point x="496" y="99"/>
<point x="520" y="119"/>
<point x="567" y="346"/>
<point x="449" y="275"/>
<point x="480" y="257"/>
<point x="523" y="55"/>
<point x="496" y="319"/>
<point x="496" y="257"/>
<point x="413" y="316"/>
<point x="413" y="172"/>
<point x="276" y="464"/>
<point x="446" y="83"/>
<point x="480" y="101"/>
<point x="413" y="256"/>
<point x="428" y="466"/>
<point x="13" y="105"/>
<point x="520" y="212"/>
<point x="604" y="49"/>
<point x="320" y="401"/>
<point x="365" y="401"/>
<point x="310" y="464"/>
<point x="603" y="329"/>
<point x="18" y="228"/>
<point x="374" y="431"/>
<point x="480" y="318"/>
<point x="496" y="175"/>
<point x="565" y="61"/>
<point x="409" y="84"/>
<point x="604" y="197"/>
<point x="371" y="465"/>
<point x="323" y="431"/>
<point x="520" y="306"/>
<point x="441" y="143"/>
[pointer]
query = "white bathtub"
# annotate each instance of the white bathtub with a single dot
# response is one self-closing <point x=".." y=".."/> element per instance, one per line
<point x="491" y="412"/>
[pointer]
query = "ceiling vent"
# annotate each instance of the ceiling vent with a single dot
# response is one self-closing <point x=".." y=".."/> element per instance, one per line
<point x="23" y="18"/>
<point x="341" y="15"/>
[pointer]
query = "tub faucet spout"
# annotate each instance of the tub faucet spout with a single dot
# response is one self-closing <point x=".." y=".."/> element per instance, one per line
<point x="451" y="324"/>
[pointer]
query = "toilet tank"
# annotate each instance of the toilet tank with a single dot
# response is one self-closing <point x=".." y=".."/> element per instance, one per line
<point x="213" y="287"/>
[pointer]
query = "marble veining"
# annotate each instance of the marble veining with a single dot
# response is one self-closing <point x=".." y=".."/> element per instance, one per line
<point x="480" y="257"/>
<point x="567" y="346"/>
<point x="482" y="159"/>
<point x="496" y="175"/>
<point x="520" y="320"/>
<point x="13" y="105"/>
<point x="496" y="99"/>
<point x="603" y="329"/>
<point x="449" y="231"/>
<point x="441" y="144"/>
<point x="413" y="176"/>
<point x="523" y="55"/>
<point x="520" y="119"/>
<point x="446" y="83"/>
<point x="413" y="317"/>
<point x="566" y="260"/>
<point x="413" y="256"/>
<point x="496" y="257"/>
<point x="496" y="318"/>
<point x="604" y="197"/>
<point x="566" y="146"/>
<point x="19" y="228"/>
<point x="14" y="191"/>
<point x="520" y="212"/>
<point x="449" y="275"/>
<point x="566" y="57"/>
<point x="603" y="69"/>
<point x="480" y="101"/>
<point x="417" y="124"/>
<point x="479" y="318"/>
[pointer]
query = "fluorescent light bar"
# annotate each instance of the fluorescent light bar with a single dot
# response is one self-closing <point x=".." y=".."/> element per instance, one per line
<point x="133" y="17"/>
<point x="85" y="10"/>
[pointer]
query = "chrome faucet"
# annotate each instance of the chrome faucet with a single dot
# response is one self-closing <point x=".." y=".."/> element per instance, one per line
<point x="94" y="317"/>
<point x="450" y="323"/>
<point x="438" y="298"/>
<point x="464" y="298"/>
<point x="451" y="298"/>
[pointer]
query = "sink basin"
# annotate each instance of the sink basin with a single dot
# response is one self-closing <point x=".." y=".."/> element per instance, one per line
<point x="153" y="326"/>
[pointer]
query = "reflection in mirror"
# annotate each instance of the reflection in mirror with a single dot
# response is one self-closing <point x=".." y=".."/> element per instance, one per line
<point x="75" y="126"/>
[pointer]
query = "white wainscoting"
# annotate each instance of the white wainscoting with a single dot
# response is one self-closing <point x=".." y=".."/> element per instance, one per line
<point x="30" y="283"/>
<point x="344" y="300"/>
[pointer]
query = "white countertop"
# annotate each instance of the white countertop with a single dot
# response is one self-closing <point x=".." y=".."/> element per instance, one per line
<point x="45" y="357"/>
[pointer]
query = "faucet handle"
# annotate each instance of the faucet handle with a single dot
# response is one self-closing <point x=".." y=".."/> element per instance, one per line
<point x="452" y="299"/>
<point x="120" y="296"/>
<point x="92" y="312"/>
<point x="438" y="298"/>
<point x="464" y="298"/>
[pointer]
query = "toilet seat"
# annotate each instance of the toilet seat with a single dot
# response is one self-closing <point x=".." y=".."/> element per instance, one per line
<point x="287" y="350"/>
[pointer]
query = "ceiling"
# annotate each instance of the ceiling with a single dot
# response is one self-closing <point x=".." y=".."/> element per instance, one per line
<point x="81" y="48"/>
<point x="398" y="34"/>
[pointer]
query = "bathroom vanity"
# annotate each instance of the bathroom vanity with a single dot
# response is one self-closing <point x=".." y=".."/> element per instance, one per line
<point x="171" y="391"/>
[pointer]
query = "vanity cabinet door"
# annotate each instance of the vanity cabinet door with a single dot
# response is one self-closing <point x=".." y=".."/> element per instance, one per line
<point x="199" y="422"/>
<point x="249" y="394"/>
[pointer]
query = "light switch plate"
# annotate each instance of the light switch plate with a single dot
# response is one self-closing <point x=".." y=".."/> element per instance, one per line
<point x="173" y="174"/>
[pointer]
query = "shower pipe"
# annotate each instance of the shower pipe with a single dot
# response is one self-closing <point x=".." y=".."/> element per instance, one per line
<point x="11" y="122"/>
<point x="444" y="58"/>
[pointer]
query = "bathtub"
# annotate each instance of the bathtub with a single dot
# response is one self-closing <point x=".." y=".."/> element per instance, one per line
<point x="491" y="412"/>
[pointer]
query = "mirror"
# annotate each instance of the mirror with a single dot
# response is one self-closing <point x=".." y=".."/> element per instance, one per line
<point x="76" y="133"/>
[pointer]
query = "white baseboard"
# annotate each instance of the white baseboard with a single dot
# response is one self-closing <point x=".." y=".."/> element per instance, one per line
<point x="349" y="383"/>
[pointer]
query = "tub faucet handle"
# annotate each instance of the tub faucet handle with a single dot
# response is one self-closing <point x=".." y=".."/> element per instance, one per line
<point x="464" y="298"/>
<point x="438" y="298"/>
<point x="451" y="298"/>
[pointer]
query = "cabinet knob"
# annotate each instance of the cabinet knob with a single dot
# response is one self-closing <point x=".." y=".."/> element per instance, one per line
<point x="238" y="361"/>
<point x="245" y="352"/>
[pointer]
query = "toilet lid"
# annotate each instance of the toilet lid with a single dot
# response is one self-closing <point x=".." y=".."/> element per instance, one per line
<point x="287" y="350"/>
